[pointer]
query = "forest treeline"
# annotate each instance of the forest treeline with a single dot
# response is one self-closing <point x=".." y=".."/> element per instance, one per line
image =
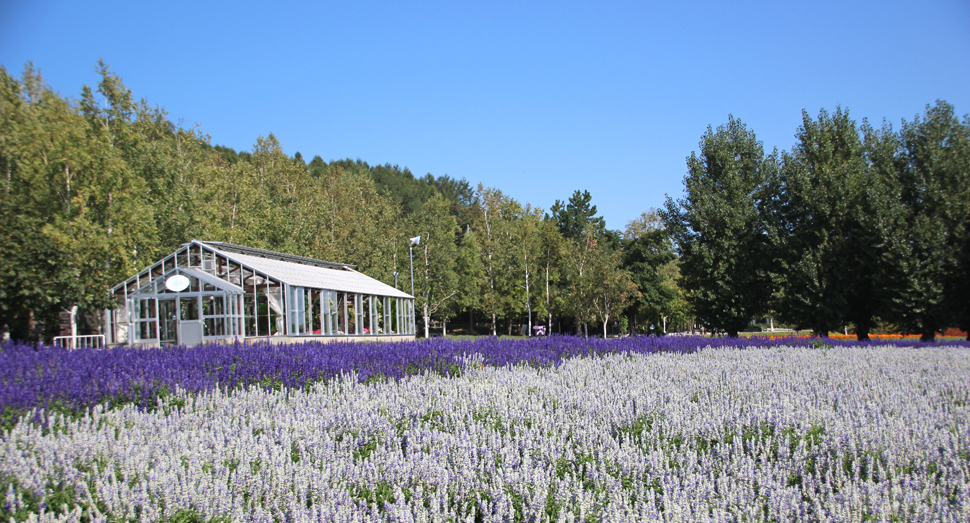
<point x="854" y="226"/>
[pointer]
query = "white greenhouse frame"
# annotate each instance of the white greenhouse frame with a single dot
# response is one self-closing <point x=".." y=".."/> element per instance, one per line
<point x="241" y="293"/>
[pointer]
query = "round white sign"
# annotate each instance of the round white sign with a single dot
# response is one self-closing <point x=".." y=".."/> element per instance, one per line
<point x="177" y="283"/>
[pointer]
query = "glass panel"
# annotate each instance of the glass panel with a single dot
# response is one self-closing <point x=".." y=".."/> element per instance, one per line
<point x="169" y="321"/>
<point x="313" y="316"/>
<point x="145" y="330"/>
<point x="213" y="305"/>
<point x="410" y="315"/>
<point x="334" y="313"/>
<point x="265" y="316"/>
<point x="394" y="316"/>
<point x="189" y="308"/>
<point x="300" y="296"/>
<point x="327" y="309"/>
<point x="295" y="305"/>
<point x="145" y="309"/>
<point x="250" y="308"/>
<point x="351" y="304"/>
<point x="358" y="303"/>
<point x="235" y="274"/>
<point x="386" y="320"/>
<point x="214" y="327"/>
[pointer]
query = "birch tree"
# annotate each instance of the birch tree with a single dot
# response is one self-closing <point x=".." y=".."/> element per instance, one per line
<point x="435" y="279"/>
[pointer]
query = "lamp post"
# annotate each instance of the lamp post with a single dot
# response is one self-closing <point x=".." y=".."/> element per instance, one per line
<point x="414" y="241"/>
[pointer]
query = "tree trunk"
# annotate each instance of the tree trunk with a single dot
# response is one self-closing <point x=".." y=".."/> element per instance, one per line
<point x="928" y="336"/>
<point x="444" y="327"/>
<point x="426" y="318"/>
<point x="732" y="333"/>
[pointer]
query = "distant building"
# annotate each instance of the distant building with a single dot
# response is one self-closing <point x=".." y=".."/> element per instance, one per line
<point x="213" y="291"/>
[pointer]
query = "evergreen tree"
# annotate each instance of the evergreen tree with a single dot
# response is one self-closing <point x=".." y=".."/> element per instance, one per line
<point x="577" y="216"/>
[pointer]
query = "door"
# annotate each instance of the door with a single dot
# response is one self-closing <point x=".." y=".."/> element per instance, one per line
<point x="190" y="323"/>
<point x="167" y="322"/>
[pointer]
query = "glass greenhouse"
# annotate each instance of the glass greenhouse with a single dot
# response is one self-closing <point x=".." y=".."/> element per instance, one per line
<point x="213" y="291"/>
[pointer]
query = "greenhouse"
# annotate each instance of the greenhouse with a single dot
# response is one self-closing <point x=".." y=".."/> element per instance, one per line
<point x="214" y="291"/>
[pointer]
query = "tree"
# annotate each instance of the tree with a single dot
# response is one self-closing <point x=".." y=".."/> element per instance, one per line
<point x="579" y="274"/>
<point x="935" y="178"/>
<point x="610" y="286"/>
<point x="551" y="245"/>
<point x="649" y="220"/>
<point x="74" y="215"/>
<point x="468" y="266"/>
<point x="646" y="257"/>
<point x="826" y="228"/>
<point x="575" y="217"/>
<point x="491" y="239"/>
<point x="524" y="236"/>
<point x="718" y="229"/>
<point x="435" y="279"/>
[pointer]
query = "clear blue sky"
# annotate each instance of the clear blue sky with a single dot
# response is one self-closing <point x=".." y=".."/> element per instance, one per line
<point x="534" y="98"/>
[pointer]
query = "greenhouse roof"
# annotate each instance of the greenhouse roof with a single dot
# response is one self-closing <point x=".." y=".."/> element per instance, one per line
<point x="306" y="272"/>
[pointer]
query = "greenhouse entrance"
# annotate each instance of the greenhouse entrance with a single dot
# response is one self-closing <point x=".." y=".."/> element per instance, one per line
<point x="168" y="309"/>
<point x="179" y="322"/>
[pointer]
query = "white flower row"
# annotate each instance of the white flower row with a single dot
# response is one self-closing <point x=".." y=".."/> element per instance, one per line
<point x="785" y="434"/>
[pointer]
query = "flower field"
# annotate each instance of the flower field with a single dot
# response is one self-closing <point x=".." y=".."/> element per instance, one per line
<point x="557" y="429"/>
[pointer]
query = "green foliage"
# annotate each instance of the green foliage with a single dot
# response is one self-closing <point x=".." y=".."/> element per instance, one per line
<point x="830" y="226"/>
<point x="435" y="279"/>
<point x="645" y="257"/>
<point x="934" y="173"/>
<point x="73" y="212"/>
<point x="853" y="225"/>
<point x="576" y="216"/>
<point x="719" y="228"/>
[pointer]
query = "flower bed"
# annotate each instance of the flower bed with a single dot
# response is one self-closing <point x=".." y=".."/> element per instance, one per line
<point x="850" y="433"/>
<point x="70" y="381"/>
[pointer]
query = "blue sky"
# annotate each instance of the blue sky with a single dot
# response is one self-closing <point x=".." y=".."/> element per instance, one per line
<point x="537" y="99"/>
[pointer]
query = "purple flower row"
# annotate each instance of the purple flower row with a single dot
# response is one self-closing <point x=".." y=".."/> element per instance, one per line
<point x="59" y="379"/>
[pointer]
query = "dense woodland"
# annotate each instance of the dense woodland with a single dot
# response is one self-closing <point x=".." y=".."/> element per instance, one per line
<point x="854" y="226"/>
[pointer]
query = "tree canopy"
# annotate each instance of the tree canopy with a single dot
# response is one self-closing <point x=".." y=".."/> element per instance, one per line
<point x="853" y="226"/>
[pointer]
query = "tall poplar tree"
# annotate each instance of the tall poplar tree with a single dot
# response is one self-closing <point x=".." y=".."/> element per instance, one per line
<point x="935" y="178"/>
<point x="719" y="230"/>
<point x="827" y="229"/>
